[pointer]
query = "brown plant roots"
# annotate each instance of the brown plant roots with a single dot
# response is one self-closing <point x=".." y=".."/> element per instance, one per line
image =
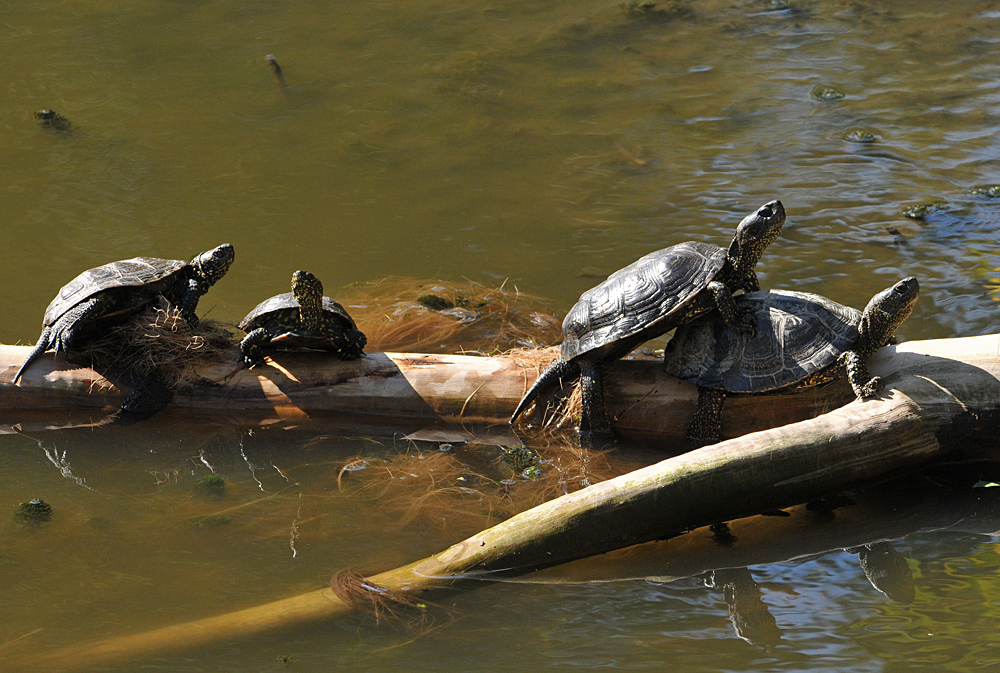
<point x="381" y="603"/>
<point x="438" y="316"/>
<point x="159" y="341"/>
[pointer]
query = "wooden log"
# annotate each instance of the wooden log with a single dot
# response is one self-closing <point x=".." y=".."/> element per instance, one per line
<point x="394" y="388"/>
<point x="940" y="397"/>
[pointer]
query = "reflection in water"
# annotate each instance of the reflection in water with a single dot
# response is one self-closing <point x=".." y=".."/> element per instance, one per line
<point x="887" y="570"/>
<point x="747" y="610"/>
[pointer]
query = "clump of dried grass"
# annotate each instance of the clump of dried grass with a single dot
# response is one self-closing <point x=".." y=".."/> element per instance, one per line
<point x="380" y="602"/>
<point x="158" y="341"/>
<point x="555" y="409"/>
<point x="439" y="316"/>
<point x="438" y="486"/>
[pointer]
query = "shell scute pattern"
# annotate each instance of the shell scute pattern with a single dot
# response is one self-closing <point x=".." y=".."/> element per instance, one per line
<point x="640" y="297"/>
<point x="283" y="311"/>
<point x="134" y="272"/>
<point x="797" y="335"/>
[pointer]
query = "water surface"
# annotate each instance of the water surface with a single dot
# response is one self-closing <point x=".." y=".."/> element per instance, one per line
<point x="544" y="145"/>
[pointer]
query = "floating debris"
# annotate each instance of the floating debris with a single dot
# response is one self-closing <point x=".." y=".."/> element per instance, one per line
<point x="276" y="69"/>
<point x="519" y="458"/>
<point x="641" y="10"/>
<point x="990" y="192"/>
<point x="206" y="521"/>
<point x="212" y="485"/>
<point x="860" y="136"/>
<point x="827" y="94"/>
<point x="434" y="302"/>
<point x="923" y="210"/>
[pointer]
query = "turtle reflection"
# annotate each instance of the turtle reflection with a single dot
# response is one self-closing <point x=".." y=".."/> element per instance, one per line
<point x="887" y="570"/>
<point x="747" y="610"/>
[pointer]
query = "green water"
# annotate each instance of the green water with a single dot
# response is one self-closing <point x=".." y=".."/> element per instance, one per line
<point x="545" y="144"/>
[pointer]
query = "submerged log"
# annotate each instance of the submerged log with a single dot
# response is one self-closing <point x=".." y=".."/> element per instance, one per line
<point x="940" y="399"/>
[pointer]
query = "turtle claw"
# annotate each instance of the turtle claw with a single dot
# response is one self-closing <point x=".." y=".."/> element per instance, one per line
<point x="872" y="388"/>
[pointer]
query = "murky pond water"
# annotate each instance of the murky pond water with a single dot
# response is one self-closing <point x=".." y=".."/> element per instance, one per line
<point x="542" y="144"/>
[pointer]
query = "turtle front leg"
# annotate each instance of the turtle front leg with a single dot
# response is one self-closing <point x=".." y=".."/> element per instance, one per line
<point x="593" y="418"/>
<point x="862" y="382"/>
<point x="354" y="344"/>
<point x="252" y="347"/>
<point x="706" y="422"/>
<point x="745" y="321"/>
<point x="189" y="301"/>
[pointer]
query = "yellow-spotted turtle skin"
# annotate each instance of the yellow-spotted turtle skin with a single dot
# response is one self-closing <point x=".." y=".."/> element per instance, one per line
<point x="302" y="319"/>
<point x="648" y="298"/>
<point x="800" y="340"/>
<point x="106" y="295"/>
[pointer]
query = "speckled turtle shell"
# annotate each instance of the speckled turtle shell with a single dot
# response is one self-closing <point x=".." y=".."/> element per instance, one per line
<point x="797" y="335"/>
<point x="279" y="315"/>
<point x="147" y="276"/>
<point x="640" y="301"/>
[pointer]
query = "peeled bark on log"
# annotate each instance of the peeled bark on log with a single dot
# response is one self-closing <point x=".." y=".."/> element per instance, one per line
<point x="940" y="396"/>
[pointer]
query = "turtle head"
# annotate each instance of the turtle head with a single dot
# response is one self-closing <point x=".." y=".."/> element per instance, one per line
<point x="757" y="231"/>
<point x="210" y="266"/>
<point x="308" y="292"/>
<point x="885" y="312"/>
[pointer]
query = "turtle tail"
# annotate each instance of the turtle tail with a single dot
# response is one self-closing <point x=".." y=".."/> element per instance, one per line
<point x="558" y="370"/>
<point x="44" y="341"/>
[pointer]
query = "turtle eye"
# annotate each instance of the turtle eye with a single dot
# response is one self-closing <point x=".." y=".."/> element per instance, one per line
<point x="765" y="211"/>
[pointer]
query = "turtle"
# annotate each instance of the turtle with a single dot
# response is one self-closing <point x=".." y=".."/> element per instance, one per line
<point x="300" y="319"/>
<point x="33" y="510"/>
<point x="108" y="294"/>
<point x="648" y="298"/>
<point x="800" y="340"/>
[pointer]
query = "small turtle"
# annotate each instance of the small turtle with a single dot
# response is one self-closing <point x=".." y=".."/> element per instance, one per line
<point x="801" y="340"/>
<point x="33" y="510"/>
<point x="108" y="294"/>
<point x="649" y="298"/>
<point x="53" y="121"/>
<point x="300" y="319"/>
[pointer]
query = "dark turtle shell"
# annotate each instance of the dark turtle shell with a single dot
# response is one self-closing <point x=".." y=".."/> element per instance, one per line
<point x="279" y="315"/>
<point x="639" y="302"/>
<point x="135" y="272"/>
<point x="797" y="335"/>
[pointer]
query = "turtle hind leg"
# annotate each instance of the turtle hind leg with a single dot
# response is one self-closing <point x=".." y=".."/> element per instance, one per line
<point x="61" y="333"/>
<point x="593" y="417"/>
<point x="557" y="372"/>
<point x="706" y="422"/>
<point x="42" y="345"/>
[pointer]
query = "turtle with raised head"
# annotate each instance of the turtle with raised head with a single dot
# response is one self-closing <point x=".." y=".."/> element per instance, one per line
<point x="109" y="294"/>
<point x="648" y="298"/>
<point x="800" y="340"/>
<point x="300" y="319"/>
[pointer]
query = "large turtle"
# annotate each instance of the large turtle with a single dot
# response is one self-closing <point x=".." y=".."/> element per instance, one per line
<point x="649" y="298"/>
<point x="801" y="340"/>
<point x="300" y="319"/>
<point x="108" y="294"/>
